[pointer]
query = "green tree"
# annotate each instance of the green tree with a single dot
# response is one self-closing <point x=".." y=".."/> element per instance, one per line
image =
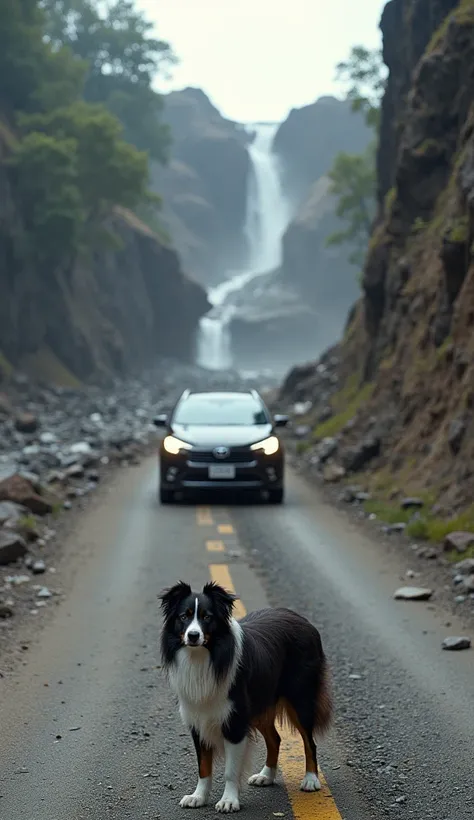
<point x="364" y="76"/>
<point x="32" y="76"/>
<point x="122" y="58"/>
<point x="110" y="171"/>
<point x="353" y="184"/>
<point x="353" y="176"/>
<point x="52" y="213"/>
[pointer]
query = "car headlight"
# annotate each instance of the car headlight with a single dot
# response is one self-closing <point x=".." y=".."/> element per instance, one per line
<point x="270" y="445"/>
<point x="174" y="445"/>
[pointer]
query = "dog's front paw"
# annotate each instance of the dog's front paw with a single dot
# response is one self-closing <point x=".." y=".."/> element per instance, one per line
<point x="192" y="801"/>
<point x="227" y="805"/>
<point x="264" y="778"/>
<point x="310" y="783"/>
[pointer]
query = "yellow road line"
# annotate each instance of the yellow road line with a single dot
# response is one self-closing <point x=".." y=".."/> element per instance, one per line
<point x="221" y="575"/>
<point x="204" y="517"/>
<point x="226" y="529"/>
<point x="215" y="546"/>
<point x="305" y="805"/>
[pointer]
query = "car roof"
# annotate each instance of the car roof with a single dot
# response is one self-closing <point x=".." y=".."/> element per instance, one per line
<point x="251" y="395"/>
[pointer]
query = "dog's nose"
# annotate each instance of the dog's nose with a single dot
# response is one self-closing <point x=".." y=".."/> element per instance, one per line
<point x="193" y="637"/>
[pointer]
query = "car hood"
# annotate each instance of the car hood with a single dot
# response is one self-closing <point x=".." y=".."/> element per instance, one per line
<point x="226" y="436"/>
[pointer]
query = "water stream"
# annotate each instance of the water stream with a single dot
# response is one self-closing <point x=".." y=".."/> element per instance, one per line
<point x="267" y="216"/>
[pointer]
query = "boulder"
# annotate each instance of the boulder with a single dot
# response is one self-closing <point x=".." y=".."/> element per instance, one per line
<point x="459" y="541"/>
<point x="355" y="458"/>
<point x="20" y="491"/>
<point x="454" y="644"/>
<point x="465" y="567"/>
<point x="412" y="504"/>
<point x="26" y="423"/>
<point x="9" y="511"/>
<point x="413" y="594"/>
<point x="12" y="547"/>
<point x="333" y="473"/>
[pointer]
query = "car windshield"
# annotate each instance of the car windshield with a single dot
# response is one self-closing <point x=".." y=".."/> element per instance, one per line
<point x="220" y="410"/>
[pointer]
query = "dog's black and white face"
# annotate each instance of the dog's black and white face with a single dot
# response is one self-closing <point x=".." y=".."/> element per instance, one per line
<point x="196" y="619"/>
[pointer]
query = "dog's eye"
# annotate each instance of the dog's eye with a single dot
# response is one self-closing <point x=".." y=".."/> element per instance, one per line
<point x="206" y="618"/>
<point x="183" y="617"/>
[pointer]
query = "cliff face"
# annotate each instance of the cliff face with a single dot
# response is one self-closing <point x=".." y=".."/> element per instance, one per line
<point x="411" y="336"/>
<point x="322" y="275"/>
<point x="307" y="144"/>
<point x="310" y="137"/>
<point x="205" y="185"/>
<point x="109" y="315"/>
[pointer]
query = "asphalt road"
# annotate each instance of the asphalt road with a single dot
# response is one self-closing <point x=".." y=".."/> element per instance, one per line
<point x="88" y="728"/>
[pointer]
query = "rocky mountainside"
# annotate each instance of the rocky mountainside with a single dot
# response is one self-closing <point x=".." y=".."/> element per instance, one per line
<point x="307" y="143"/>
<point x="322" y="275"/>
<point x="402" y="389"/>
<point x="204" y="187"/>
<point x="105" y="315"/>
<point x="310" y="137"/>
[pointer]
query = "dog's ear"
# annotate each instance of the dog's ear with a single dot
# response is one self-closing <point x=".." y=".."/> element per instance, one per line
<point x="223" y="601"/>
<point x="172" y="597"/>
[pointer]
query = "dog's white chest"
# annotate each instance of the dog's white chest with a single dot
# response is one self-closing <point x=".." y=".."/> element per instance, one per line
<point x="204" y="704"/>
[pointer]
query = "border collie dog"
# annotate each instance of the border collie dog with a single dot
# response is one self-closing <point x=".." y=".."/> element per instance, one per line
<point x="235" y="678"/>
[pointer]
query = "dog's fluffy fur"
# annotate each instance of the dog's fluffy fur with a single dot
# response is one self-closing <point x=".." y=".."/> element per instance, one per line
<point x="235" y="678"/>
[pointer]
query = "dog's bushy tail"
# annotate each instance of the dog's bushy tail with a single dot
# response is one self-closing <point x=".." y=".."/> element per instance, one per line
<point x="324" y="702"/>
<point x="287" y="709"/>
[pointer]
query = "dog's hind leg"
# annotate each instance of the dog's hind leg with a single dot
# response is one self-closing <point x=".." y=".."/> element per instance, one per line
<point x="272" y="741"/>
<point x="302" y="719"/>
<point x="201" y="793"/>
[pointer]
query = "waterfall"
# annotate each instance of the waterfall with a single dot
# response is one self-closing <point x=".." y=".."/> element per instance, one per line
<point x="267" y="216"/>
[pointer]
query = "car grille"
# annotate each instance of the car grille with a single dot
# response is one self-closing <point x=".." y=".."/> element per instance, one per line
<point x="208" y="457"/>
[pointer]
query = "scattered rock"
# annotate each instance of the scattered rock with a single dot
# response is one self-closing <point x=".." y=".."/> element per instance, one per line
<point x="9" y="511"/>
<point x="26" y="423"/>
<point x="362" y="496"/>
<point x="465" y="567"/>
<point x="459" y="541"/>
<point x="12" y="547"/>
<point x="468" y="583"/>
<point x="413" y="594"/>
<point x="302" y="431"/>
<point x="6" y="611"/>
<point x="355" y="458"/>
<point x="38" y="567"/>
<point x="18" y="489"/>
<point x="300" y="408"/>
<point x="44" y="592"/>
<point x="326" y="448"/>
<point x="411" y="503"/>
<point x="454" y="644"/>
<point x="430" y="553"/>
<point x="400" y="526"/>
<point x="75" y="471"/>
<point x="333" y="473"/>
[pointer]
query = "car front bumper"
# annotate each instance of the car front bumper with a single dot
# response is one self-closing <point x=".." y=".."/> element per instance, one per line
<point x="191" y="470"/>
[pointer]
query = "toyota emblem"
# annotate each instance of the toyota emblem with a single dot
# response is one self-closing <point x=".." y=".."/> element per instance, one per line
<point x="221" y="452"/>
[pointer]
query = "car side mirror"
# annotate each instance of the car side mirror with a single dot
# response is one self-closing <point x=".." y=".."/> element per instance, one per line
<point x="161" y="420"/>
<point x="280" y="421"/>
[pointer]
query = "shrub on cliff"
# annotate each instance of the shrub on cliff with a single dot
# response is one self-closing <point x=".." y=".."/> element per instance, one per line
<point x="88" y="169"/>
<point x="353" y="176"/>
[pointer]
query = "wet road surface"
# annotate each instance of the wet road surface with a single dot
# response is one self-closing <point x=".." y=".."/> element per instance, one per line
<point x="88" y="728"/>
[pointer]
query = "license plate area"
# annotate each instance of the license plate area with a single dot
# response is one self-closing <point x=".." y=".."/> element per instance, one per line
<point x="222" y="471"/>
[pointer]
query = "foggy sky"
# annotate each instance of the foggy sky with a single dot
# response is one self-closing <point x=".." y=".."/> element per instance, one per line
<point x="257" y="59"/>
